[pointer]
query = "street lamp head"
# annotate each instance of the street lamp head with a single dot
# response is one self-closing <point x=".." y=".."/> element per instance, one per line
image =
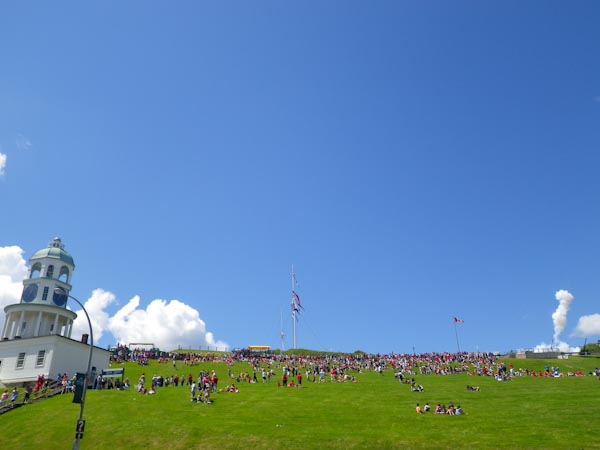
<point x="60" y="291"/>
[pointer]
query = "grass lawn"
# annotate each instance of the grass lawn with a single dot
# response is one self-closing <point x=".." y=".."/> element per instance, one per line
<point x="377" y="412"/>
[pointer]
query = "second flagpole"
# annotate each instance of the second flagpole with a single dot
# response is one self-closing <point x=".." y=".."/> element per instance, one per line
<point x="293" y="306"/>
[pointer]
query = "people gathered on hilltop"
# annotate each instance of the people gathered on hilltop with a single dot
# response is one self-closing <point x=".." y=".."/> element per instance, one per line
<point x="262" y="365"/>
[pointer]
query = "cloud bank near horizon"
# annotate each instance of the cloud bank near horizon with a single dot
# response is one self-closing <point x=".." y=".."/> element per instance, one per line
<point x="588" y="326"/>
<point x="167" y="324"/>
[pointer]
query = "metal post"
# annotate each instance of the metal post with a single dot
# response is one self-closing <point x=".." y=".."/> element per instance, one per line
<point x="89" y="365"/>
<point x="456" y="333"/>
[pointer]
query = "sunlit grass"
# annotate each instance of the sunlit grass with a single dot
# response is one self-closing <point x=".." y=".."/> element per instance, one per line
<point x="377" y="412"/>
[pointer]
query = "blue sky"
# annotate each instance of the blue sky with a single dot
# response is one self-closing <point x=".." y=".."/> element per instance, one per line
<point x="415" y="161"/>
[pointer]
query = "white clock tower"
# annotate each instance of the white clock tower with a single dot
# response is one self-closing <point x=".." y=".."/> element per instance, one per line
<point x="36" y="335"/>
<point x="42" y="311"/>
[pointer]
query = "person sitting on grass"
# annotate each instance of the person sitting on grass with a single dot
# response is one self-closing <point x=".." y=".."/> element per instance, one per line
<point x="418" y="409"/>
<point x="204" y="396"/>
<point x="458" y="411"/>
<point x="426" y="408"/>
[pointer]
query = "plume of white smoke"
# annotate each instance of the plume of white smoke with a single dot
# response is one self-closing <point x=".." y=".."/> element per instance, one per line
<point x="557" y="346"/>
<point x="559" y="317"/>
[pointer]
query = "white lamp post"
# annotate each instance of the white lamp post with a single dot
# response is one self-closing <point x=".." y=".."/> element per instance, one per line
<point x="79" y="428"/>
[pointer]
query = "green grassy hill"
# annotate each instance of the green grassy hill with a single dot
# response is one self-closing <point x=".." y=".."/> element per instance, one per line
<point x="376" y="412"/>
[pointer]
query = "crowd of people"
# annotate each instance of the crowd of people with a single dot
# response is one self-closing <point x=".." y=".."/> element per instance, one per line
<point x="11" y="398"/>
<point x="294" y="370"/>
<point x="403" y="365"/>
<point x="440" y="408"/>
<point x="14" y="394"/>
<point x="337" y="368"/>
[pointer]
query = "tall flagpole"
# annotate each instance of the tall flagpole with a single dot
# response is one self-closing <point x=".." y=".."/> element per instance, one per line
<point x="293" y="306"/>
<point x="456" y="333"/>
<point x="282" y="333"/>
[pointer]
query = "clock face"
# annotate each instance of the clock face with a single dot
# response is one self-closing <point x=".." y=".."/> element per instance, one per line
<point x="59" y="299"/>
<point x="29" y="293"/>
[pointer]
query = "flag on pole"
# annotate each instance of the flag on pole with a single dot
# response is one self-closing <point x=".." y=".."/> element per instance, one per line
<point x="296" y="305"/>
<point x="296" y="298"/>
<point x="457" y="320"/>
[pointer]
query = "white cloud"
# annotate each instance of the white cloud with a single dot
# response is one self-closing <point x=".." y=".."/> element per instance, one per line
<point x="23" y="142"/>
<point x="560" y="346"/>
<point x="166" y="324"/>
<point x="2" y="163"/>
<point x="95" y="306"/>
<point x="13" y="269"/>
<point x="588" y="326"/>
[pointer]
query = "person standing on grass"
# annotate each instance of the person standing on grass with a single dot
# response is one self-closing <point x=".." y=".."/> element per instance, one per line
<point x="299" y="378"/>
<point x="27" y="394"/>
<point x="4" y="398"/>
<point x="193" y="391"/>
<point x="13" y="395"/>
<point x="214" y="381"/>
